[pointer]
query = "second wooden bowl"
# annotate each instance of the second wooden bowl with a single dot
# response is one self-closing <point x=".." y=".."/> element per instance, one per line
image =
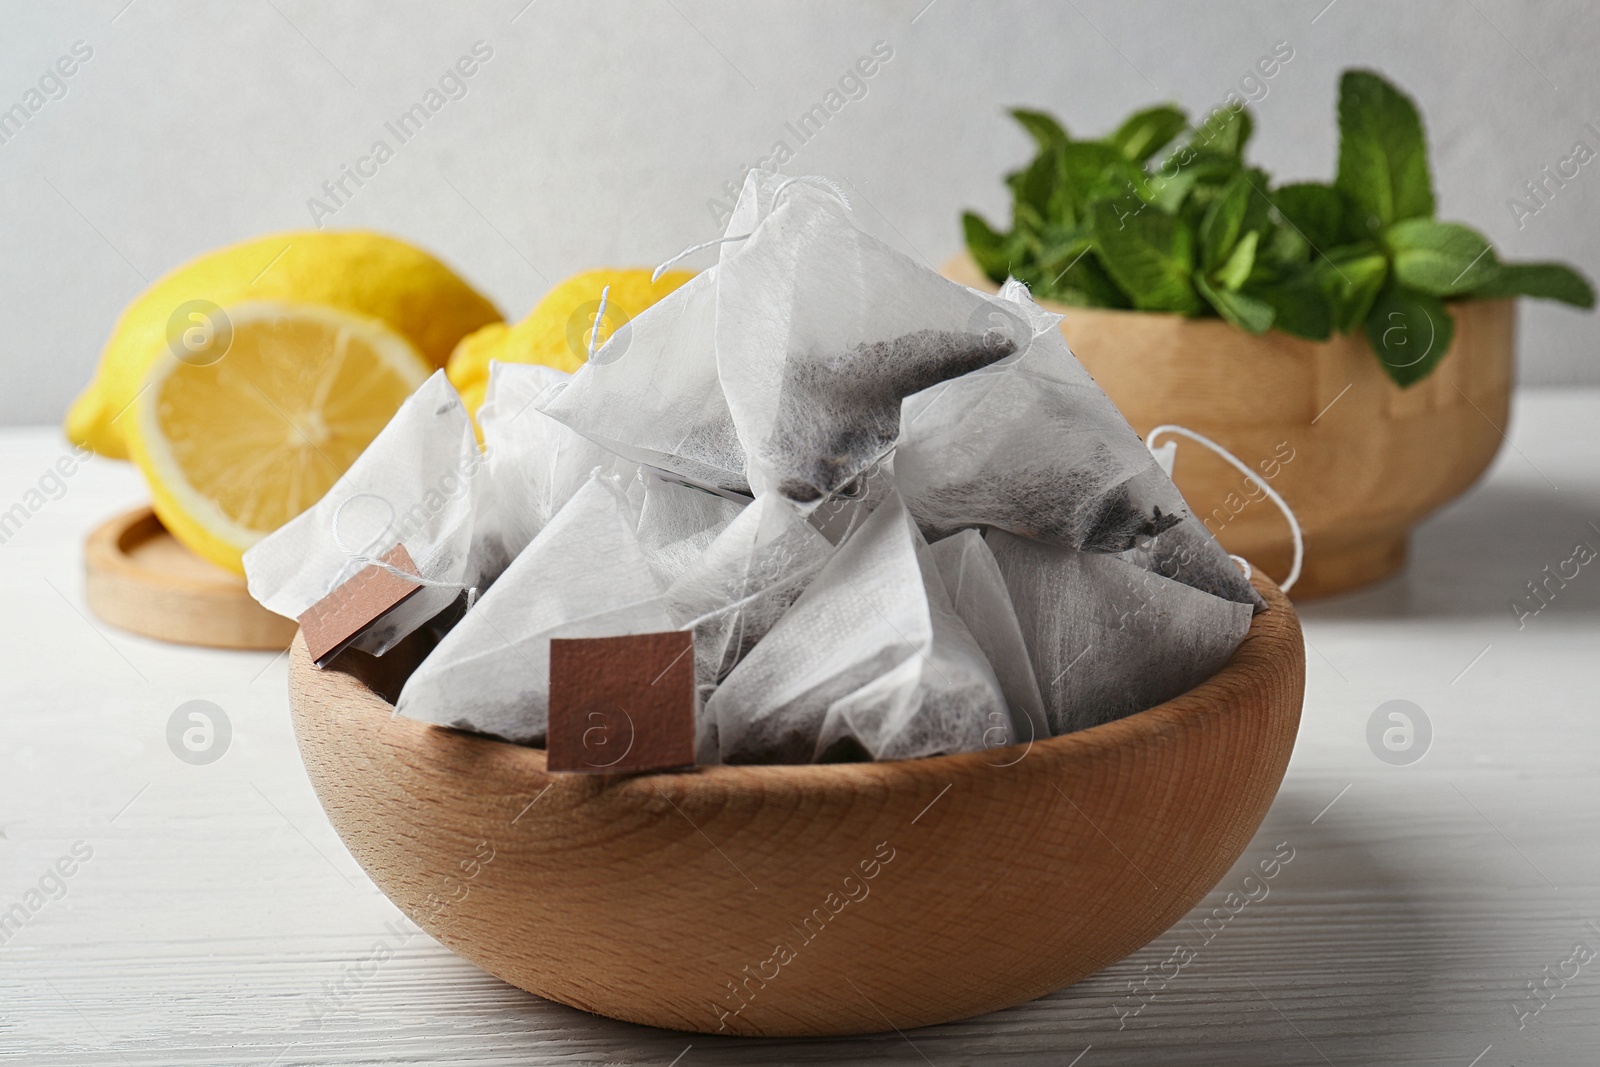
<point x="807" y="900"/>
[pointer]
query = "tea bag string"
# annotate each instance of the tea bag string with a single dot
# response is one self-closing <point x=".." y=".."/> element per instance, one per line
<point x="365" y="559"/>
<point x="599" y="317"/>
<point x="827" y="184"/>
<point x="815" y="179"/>
<point x="687" y="252"/>
<point x="1272" y="494"/>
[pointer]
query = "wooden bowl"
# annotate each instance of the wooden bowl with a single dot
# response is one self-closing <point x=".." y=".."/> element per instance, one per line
<point x="806" y="900"/>
<point x="139" y="578"/>
<point x="1366" y="460"/>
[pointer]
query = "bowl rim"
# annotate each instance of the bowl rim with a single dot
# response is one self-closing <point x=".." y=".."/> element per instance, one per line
<point x="1273" y="634"/>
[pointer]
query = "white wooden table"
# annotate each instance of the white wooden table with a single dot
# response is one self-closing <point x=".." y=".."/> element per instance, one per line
<point x="216" y="903"/>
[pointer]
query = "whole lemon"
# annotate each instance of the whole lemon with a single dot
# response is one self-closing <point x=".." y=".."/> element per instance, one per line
<point x="360" y="273"/>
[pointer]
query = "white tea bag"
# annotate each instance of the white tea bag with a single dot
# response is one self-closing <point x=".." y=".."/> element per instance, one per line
<point x="534" y="463"/>
<point x="1032" y="446"/>
<point x="1108" y="638"/>
<point x="1111" y="495"/>
<point x="584" y="575"/>
<point x="651" y="392"/>
<point x="822" y="330"/>
<point x="419" y="484"/>
<point x="978" y="593"/>
<point x="677" y="522"/>
<point x="739" y="587"/>
<point x="872" y="658"/>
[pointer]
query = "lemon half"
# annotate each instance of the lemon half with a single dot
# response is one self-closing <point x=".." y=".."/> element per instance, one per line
<point x="234" y="448"/>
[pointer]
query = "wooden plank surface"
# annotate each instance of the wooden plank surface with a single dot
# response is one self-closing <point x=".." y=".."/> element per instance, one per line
<point x="218" y="920"/>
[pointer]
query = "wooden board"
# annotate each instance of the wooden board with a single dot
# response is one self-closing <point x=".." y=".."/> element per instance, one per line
<point x="816" y="899"/>
<point x="1360" y="459"/>
<point x="138" y="577"/>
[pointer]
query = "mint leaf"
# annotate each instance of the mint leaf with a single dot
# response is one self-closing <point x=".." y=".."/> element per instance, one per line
<point x="1245" y="312"/>
<point x="1149" y="255"/>
<point x="1383" y="157"/>
<point x="1236" y="270"/>
<point x="1317" y="212"/>
<point x="1147" y="132"/>
<point x="1093" y="171"/>
<point x="1079" y="279"/>
<point x="1442" y="258"/>
<point x="1046" y="132"/>
<point x="1219" y="229"/>
<point x="1299" y="305"/>
<point x="1033" y="188"/>
<point x="1224" y="130"/>
<point x="1546" y="281"/>
<point x="987" y="247"/>
<point x="1352" y="276"/>
<point x="1410" y="332"/>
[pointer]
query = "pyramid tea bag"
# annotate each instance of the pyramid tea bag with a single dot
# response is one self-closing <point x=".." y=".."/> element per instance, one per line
<point x="734" y="591"/>
<point x="739" y="587"/>
<point x="978" y="593"/>
<point x="534" y="463"/>
<point x="871" y="659"/>
<point x="1108" y="638"/>
<point x="419" y="485"/>
<point x="584" y="575"/>
<point x="822" y="330"/>
<point x="1035" y="447"/>
<point x="651" y="392"/>
<point x="1063" y="465"/>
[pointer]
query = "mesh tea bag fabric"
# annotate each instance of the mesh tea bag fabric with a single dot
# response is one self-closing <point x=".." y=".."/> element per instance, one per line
<point x="821" y="330"/>
<point x="651" y="392"/>
<point x="534" y="463"/>
<point x="420" y="484"/>
<point x="677" y="522"/>
<point x="584" y="575"/>
<point x="1032" y="446"/>
<point x="978" y="593"/>
<point x="1188" y="553"/>
<point x="1108" y="638"/>
<point x="872" y="658"/>
<point x="737" y="589"/>
<point x="840" y="514"/>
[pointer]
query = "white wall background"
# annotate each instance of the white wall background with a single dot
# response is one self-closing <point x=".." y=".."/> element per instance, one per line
<point x="598" y="132"/>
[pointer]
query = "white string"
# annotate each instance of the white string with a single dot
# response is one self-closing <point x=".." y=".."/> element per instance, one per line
<point x="599" y="316"/>
<point x="1233" y="460"/>
<point x="372" y="561"/>
<point x="691" y="251"/>
<point x="815" y="179"/>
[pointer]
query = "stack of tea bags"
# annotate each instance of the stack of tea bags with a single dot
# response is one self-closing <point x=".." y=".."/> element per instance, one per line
<point x="897" y="514"/>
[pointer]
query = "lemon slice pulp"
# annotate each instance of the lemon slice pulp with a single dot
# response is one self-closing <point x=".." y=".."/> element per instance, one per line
<point x="235" y="446"/>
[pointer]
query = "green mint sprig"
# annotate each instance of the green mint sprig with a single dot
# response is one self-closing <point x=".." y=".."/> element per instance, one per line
<point x="1102" y="223"/>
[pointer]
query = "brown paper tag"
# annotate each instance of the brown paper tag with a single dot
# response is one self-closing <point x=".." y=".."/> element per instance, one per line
<point x="339" y="618"/>
<point x="621" y="704"/>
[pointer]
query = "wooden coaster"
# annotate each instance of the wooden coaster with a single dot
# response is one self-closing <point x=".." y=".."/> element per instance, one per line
<point x="139" y="578"/>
